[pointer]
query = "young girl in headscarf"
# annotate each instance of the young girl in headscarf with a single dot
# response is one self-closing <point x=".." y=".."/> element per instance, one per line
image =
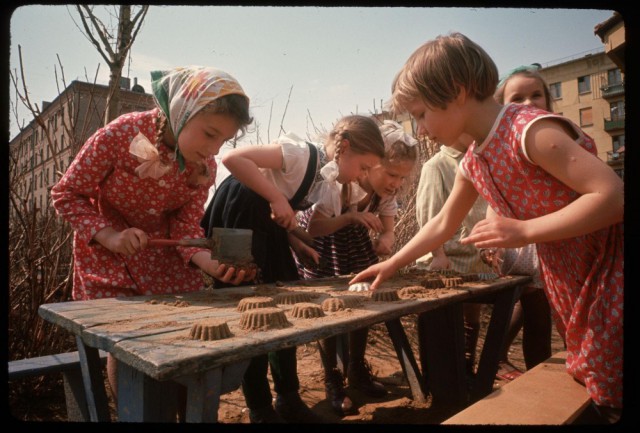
<point x="147" y="175"/>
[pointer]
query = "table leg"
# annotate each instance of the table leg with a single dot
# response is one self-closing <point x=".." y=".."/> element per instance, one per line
<point x="93" y="380"/>
<point x="494" y="341"/>
<point x="143" y="399"/>
<point x="406" y="358"/>
<point x="204" y="390"/>
<point x="441" y="343"/>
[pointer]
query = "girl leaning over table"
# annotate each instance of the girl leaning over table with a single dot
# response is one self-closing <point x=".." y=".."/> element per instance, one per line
<point x="541" y="175"/>
<point x="265" y="186"/>
<point x="147" y="175"/>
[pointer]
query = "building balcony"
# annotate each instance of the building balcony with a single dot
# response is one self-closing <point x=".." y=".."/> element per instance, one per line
<point x="611" y="90"/>
<point x="613" y="156"/>
<point x="614" y="124"/>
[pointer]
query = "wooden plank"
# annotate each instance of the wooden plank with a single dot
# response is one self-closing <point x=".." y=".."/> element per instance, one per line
<point x="544" y="395"/>
<point x="40" y="365"/>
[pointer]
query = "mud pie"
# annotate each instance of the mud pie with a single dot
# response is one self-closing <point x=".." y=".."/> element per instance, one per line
<point x="333" y="304"/>
<point x="406" y="292"/>
<point x="307" y="310"/>
<point x="433" y="283"/>
<point x="263" y="319"/>
<point x="290" y="298"/>
<point x="453" y="282"/>
<point x="351" y="301"/>
<point x="255" y="302"/>
<point x="385" y="295"/>
<point x="210" y="329"/>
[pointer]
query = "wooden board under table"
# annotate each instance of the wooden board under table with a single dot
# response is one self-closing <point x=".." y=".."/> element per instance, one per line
<point x="151" y="333"/>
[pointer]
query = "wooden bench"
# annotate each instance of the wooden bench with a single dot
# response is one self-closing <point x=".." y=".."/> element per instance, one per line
<point x="69" y="365"/>
<point x="544" y="395"/>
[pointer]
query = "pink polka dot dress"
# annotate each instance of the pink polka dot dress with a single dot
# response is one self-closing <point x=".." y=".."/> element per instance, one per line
<point x="583" y="276"/>
<point x="101" y="189"/>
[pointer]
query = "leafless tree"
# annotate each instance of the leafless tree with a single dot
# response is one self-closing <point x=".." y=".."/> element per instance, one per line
<point x="113" y="42"/>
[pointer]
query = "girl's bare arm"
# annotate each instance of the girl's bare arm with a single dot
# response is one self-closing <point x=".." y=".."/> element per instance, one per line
<point x="245" y="163"/>
<point x="434" y="233"/>
<point x="601" y="201"/>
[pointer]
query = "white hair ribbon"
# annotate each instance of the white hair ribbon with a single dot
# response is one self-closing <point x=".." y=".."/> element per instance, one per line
<point x="392" y="131"/>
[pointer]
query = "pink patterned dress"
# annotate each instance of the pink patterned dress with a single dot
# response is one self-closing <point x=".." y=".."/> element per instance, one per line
<point x="583" y="276"/>
<point x="101" y="189"/>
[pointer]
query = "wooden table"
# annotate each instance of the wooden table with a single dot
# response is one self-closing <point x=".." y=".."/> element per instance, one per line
<point x="149" y="335"/>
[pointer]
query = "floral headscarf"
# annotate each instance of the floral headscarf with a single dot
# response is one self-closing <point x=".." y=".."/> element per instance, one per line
<point x="181" y="92"/>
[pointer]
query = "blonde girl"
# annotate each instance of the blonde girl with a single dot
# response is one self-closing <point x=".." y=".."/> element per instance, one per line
<point x="540" y="173"/>
<point x="344" y="245"/>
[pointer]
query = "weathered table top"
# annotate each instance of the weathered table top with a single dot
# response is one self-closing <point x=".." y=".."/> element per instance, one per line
<point x="151" y="333"/>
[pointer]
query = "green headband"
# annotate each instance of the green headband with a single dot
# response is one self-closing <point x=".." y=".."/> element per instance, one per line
<point x="534" y="67"/>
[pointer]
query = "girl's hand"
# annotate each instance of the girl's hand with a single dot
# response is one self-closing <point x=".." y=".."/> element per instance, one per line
<point x="282" y="213"/>
<point x="440" y="262"/>
<point x="381" y="271"/>
<point x="127" y="242"/>
<point x="235" y="276"/>
<point x="497" y="232"/>
<point x="223" y="272"/>
<point x="383" y="245"/>
<point x="367" y="219"/>
<point x="307" y="255"/>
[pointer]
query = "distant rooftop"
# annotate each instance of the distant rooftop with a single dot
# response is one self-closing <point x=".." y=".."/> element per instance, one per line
<point x="573" y="57"/>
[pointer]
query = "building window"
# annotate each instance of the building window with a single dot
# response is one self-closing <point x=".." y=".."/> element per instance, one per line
<point x="618" y="142"/>
<point x="614" y="76"/>
<point x="556" y="90"/>
<point x="584" y="84"/>
<point x="586" y="117"/>
<point x="616" y="109"/>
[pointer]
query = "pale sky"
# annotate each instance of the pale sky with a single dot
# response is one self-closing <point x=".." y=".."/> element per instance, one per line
<point x="335" y="61"/>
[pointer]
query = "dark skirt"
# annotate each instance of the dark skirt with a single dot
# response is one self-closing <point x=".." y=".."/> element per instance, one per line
<point x="236" y="206"/>
<point x="347" y="251"/>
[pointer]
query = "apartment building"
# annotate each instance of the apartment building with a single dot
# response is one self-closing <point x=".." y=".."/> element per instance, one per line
<point x="43" y="150"/>
<point x="590" y="91"/>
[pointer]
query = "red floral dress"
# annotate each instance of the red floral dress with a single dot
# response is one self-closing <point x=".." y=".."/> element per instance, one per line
<point x="583" y="276"/>
<point x="101" y="189"/>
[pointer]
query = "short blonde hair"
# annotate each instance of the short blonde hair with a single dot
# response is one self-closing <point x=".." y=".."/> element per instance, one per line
<point x="436" y="70"/>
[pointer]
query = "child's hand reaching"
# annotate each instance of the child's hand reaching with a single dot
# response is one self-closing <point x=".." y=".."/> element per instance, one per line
<point x="307" y="255"/>
<point x="367" y="219"/>
<point x="223" y="272"/>
<point x="498" y="232"/>
<point x="383" y="244"/>
<point x="381" y="271"/>
<point x="127" y="242"/>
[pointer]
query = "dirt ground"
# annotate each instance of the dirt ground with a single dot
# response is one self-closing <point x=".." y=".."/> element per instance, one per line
<point x="396" y="408"/>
